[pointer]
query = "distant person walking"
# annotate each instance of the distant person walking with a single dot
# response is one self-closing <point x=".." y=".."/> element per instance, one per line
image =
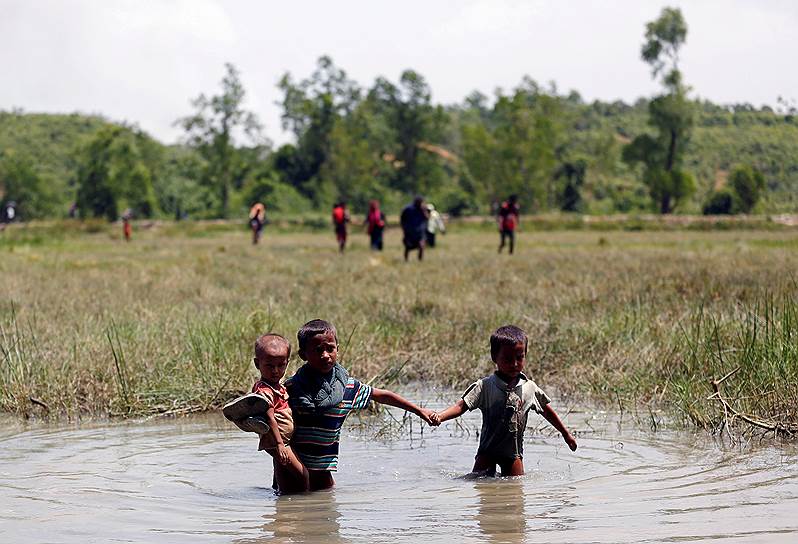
<point x="9" y="211"/>
<point x="375" y="225"/>
<point x="340" y="217"/>
<point x="127" y="227"/>
<point x="414" y="227"/>
<point x="257" y="218"/>
<point x="508" y="219"/>
<point x="435" y="225"/>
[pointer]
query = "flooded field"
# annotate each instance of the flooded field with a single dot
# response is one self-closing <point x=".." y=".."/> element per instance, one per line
<point x="201" y="480"/>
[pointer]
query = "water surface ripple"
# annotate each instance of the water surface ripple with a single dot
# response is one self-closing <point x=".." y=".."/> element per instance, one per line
<point x="201" y="480"/>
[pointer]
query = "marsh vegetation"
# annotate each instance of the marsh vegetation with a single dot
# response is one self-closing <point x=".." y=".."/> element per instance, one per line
<point x="164" y="325"/>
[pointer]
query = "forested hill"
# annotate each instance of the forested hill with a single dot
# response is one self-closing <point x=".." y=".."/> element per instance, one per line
<point x="529" y="141"/>
<point x="43" y="159"/>
<point x="52" y="142"/>
<point x="722" y="138"/>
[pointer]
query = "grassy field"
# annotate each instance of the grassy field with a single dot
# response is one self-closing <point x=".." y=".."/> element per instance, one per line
<point x="92" y="325"/>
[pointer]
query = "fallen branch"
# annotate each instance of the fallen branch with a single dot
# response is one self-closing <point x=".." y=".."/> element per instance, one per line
<point x="768" y="425"/>
<point x="41" y="403"/>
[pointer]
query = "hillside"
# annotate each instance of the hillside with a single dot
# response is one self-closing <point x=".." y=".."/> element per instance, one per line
<point x="723" y="136"/>
<point x="52" y="141"/>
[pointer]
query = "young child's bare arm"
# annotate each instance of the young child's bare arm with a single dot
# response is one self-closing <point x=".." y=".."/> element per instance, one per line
<point x="282" y="451"/>
<point x="383" y="396"/>
<point x="552" y="417"/>
<point x="456" y="410"/>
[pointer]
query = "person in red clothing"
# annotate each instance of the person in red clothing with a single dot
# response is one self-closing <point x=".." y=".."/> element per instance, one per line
<point x="127" y="227"/>
<point x="508" y="219"/>
<point x="340" y="217"/>
<point x="375" y="225"/>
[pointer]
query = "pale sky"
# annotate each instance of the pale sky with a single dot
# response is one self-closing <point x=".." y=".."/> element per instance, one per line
<point x="143" y="61"/>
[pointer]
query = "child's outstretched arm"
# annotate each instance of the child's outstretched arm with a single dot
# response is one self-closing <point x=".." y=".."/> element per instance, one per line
<point x="383" y="396"/>
<point x="456" y="410"/>
<point x="282" y="452"/>
<point x="552" y="417"/>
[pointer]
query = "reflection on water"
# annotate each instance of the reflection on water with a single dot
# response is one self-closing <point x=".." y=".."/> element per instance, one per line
<point x="202" y="479"/>
<point x="500" y="510"/>
<point x="311" y="518"/>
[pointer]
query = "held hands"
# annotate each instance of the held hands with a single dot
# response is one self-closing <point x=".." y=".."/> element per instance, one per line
<point x="282" y="454"/>
<point x="429" y="416"/>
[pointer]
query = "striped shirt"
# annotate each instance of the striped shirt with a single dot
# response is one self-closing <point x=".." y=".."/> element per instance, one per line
<point x="316" y="434"/>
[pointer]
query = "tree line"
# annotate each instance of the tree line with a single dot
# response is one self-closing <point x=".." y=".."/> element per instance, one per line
<point x="390" y="141"/>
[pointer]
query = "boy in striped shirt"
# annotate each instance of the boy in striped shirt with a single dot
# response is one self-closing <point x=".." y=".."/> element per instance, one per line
<point x="321" y="395"/>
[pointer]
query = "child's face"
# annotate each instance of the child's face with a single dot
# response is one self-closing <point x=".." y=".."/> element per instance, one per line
<point x="272" y="364"/>
<point x="511" y="359"/>
<point x="321" y="352"/>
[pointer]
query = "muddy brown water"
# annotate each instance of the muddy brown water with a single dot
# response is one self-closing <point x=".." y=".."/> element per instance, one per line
<point x="201" y="480"/>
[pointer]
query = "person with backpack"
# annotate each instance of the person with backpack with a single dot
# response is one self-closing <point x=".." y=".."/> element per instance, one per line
<point x="257" y="219"/>
<point x="375" y="225"/>
<point x="340" y="217"/>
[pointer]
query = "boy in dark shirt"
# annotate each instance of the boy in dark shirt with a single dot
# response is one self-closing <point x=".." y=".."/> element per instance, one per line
<point x="505" y="399"/>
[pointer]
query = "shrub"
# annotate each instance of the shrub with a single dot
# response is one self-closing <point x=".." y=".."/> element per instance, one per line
<point x="720" y="202"/>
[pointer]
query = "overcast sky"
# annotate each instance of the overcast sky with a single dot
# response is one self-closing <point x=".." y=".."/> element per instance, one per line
<point x="142" y="61"/>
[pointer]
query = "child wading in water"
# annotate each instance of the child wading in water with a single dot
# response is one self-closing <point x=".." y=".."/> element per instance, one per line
<point x="505" y="399"/>
<point x="265" y="411"/>
<point x="322" y="395"/>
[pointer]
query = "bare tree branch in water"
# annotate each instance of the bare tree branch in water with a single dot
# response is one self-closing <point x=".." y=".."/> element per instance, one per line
<point x="777" y="427"/>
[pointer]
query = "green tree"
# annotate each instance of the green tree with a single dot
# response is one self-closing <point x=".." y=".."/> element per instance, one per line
<point x="177" y="185"/>
<point x="212" y="131"/>
<point x="311" y="109"/>
<point x="671" y="114"/>
<point x="416" y="127"/>
<point x="720" y="202"/>
<point x="664" y="37"/>
<point x="748" y="184"/>
<point x="113" y="175"/>
<point x="19" y="182"/>
<point x="514" y="148"/>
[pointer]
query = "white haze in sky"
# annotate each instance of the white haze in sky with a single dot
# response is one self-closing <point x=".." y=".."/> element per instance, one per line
<point x="143" y="61"/>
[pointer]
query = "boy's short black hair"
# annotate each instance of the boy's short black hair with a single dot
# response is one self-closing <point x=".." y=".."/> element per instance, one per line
<point x="508" y="335"/>
<point x="313" y="328"/>
<point x="262" y="343"/>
